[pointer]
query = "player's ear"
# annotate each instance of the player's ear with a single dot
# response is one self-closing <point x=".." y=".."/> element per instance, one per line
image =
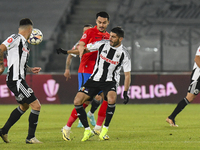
<point x="121" y="38"/>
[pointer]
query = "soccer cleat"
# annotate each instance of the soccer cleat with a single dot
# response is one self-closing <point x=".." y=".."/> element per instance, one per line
<point x="4" y="137"/>
<point x="87" y="134"/>
<point x="66" y="134"/>
<point x="171" y="122"/>
<point x="97" y="132"/>
<point x="80" y="125"/>
<point x="92" y="120"/>
<point x="33" y="141"/>
<point x="103" y="134"/>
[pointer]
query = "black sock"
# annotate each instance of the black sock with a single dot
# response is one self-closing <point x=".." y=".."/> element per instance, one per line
<point x="82" y="115"/>
<point x="180" y="106"/>
<point x="109" y="114"/>
<point x="33" y="121"/>
<point x="95" y="104"/>
<point x="14" y="117"/>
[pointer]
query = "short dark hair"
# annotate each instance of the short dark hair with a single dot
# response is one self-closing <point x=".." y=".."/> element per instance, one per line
<point x="25" y="21"/>
<point x="119" y="31"/>
<point x="102" y="14"/>
<point x="88" y="25"/>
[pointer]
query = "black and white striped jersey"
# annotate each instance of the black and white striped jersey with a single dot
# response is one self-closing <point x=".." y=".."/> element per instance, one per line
<point x="109" y="61"/>
<point x="17" y="56"/>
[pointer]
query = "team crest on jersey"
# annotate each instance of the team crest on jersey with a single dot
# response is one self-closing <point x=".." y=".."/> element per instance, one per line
<point x="118" y="55"/>
<point x="10" y="40"/>
<point x="84" y="36"/>
<point x="105" y="51"/>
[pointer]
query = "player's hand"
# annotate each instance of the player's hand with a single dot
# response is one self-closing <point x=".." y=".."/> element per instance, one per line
<point x="126" y="98"/>
<point x="60" y="50"/>
<point x="67" y="74"/>
<point x="2" y="69"/>
<point x="36" y="70"/>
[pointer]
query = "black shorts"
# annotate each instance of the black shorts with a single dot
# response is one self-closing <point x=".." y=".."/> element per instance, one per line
<point x="194" y="87"/>
<point x="92" y="88"/>
<point x="23" y="93"/>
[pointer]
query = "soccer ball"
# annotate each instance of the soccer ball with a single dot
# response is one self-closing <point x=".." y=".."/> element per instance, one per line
<point x="36" y="37"/>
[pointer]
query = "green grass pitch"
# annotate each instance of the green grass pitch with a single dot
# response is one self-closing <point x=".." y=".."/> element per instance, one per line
<point x="133" y="127"/>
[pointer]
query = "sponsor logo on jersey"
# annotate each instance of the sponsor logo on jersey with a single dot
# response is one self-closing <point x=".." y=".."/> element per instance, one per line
<point x="24" y="49"/>
<point x="10" y="40"/>
<point x="84" y="36"/>
<point x="108" y="60"/>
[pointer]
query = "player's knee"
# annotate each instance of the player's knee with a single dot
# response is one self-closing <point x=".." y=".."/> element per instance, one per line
<point x="24" y="107"/>
<point x="111" y="100"/>
<point x="77" y="101"/>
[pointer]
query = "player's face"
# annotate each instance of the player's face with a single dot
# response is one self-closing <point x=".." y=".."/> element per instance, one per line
<point x="115" y="41"/>
<point x="85" y="28"/>
<point x="102" y="23"/>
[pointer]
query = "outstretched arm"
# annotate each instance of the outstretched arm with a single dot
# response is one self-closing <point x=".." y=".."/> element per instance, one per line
<point x="35" y="70"/>
<point x="2" y="50"/>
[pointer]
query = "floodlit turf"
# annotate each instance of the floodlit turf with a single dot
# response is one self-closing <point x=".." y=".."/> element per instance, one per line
<point x="133" y="127"/>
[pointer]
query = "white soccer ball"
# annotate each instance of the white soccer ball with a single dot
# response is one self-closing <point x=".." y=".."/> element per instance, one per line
<point x="36" y="37"/>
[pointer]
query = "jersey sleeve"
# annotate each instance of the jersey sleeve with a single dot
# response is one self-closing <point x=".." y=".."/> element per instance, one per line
<point x="127" y="63"/>
<point x="198" y="51"/>
<point x="74" y="47"/>
<point x="9" y="42"/>
<point x="95" y="46"/>
<point x="86" y="36"/>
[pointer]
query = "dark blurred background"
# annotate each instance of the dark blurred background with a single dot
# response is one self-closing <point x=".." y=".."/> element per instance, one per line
<point x="160" y="35"/>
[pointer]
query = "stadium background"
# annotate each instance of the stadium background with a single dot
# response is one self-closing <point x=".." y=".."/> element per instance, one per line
<point x="161" y="35"/>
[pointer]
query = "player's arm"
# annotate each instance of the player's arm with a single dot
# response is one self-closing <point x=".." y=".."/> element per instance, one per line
<point x="67" y="69"/>
<point x="2" y="50"/>
<point x="197" y="60"/>
<point x="35" y="70"/>
<point x="127" y="82"/>
<point x="81" y="48"/>
<point x="73" y="51"/>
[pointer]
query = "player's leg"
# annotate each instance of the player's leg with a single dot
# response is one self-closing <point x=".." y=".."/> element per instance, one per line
<point x="14" y="117"/>
<point x="180" y="106"/>
<point x="193" y="91"/>
<point x="111" y="98"/>
<point x="94" y="105"/>
<point x="79" y="99"/>
<point x="33" y="121"/>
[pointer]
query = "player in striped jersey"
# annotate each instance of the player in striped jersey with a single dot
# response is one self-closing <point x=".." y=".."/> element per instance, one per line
<point x="112" y="56"/>
<point x="193" y="91"/>
<point x="17" y="55"/>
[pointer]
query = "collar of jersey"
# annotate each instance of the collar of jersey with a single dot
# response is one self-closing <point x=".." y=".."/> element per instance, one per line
<point x="22" y="37"/>
<point x="116" y="47"/>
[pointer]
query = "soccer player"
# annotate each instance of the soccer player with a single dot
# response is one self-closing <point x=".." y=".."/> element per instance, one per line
<point x="112" y="56"/>
<point x="193" y="91"/>
<point x="68" y="76"/>
<point x="18" y="52"/>
<point x="86" y="67"/>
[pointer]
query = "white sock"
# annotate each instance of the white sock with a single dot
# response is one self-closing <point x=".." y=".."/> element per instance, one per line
<point x="105" y="127"/>
<point x="67" y="128"/>
<point x="90" y="114"/>
<point x="88" y="128"/>
<point x="97" y="127"/>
